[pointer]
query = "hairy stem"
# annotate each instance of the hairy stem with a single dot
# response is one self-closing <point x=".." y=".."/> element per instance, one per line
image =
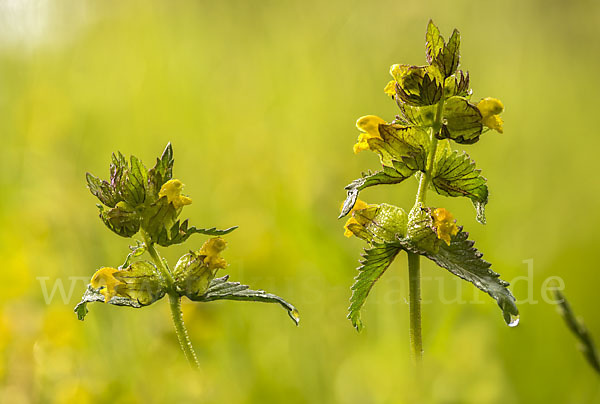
<point x="175" y="304"/>
<point x="181" y="331"/>
<point x="414" y="271"/>
<point x="414" y="263"/>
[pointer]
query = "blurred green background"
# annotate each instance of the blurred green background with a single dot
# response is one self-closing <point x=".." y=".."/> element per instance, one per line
<point x="259" y="100"/>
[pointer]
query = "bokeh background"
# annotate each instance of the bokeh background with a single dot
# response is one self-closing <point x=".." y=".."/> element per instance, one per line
<point x="259" y="100"/>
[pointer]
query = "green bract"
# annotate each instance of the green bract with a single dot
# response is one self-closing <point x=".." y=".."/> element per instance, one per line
<point x="436" y="112"/>
<point x="147" y="203"/>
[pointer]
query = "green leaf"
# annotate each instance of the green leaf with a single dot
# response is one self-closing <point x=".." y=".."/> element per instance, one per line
<point x="462" y="121"/>
<point x="423" y="117"/>
<point x="457" y="85"/>
<point x="133" y="182"/>
<point x="375" y="261"/>
<point x="221" y="289"/>
<point x="434" y="42"/>
<point x="102" y="190"/>
<point x="406" y="145"/>
<point x="447" y="60"/>
<point x="159" y="217"/>
<point x="417" y="86"/>
<point x="93" y="295"/>
<point x="178" y="233"/>
<point x="121" y="219"/>
<point x="161" y="172"/>
<point x="464" y="261"/>
<point x="389" y="175"/>
<point x="578" y="328"/>
<point x="455" y="175"/>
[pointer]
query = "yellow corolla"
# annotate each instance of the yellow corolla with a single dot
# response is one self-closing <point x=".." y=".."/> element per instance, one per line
<point x="212" y="248"/>
<point x="490" y="108"/>
<point x="390" y="88"/>
<point x="444" y="223"/>
<point x="359" y="205"/>
<point x="105" y="280"/>
<point x="172" y="190"/>
<point x="369" y="126"/>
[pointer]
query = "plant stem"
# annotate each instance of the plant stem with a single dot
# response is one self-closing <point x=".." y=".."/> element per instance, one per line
<point x="416" y="340"/>
<point x="174" y="303"/>
<point x="181" y="331"/>
<point x="414" y="263"/>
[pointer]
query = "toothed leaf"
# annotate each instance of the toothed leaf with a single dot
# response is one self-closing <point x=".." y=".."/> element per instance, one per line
<point x="221" y="289"/>
<point x="455" y="174"/>
<point x="462" y="121"/>
<point x="463" y="260"/>
<point x="375" y="261"/>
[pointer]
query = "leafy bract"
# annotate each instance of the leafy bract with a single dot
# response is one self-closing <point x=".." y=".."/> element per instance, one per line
<point x="378" y="223"/>
<point x="161" y="172"/>
<point x="463" y="260"/>
<point x="416" y="85"/>
<point x="578" y="328"/>
<point x="375" y="261"/>
<point x="389" y="175"/>
<point x="455" y="174"/>
<point x="180" y="232"/>
<point x="136" y="286"/>
<point x="122" y="219"/>
<point x="462" y="121"/>
<point x="434" y="42"/>
<point x="93" y="295"/>
<point x="221" y="289"/>
<point x="447" y="59"/>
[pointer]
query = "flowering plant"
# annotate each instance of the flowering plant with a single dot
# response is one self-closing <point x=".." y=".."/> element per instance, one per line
<point x="147" y="204"/>
<point x="436" y="110"/>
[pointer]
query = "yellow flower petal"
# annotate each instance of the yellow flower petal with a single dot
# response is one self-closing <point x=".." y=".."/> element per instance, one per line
<point x="490" y="108"/>
<point x="212" y="248"/>
<point x="347" y="231"/>
<point x="358" y="205"/>
<point x="444" y="223"/>
<point x="493" y="122"/>
<point x="390" y="88"/>
<point x="172" y="190"/>
<point x="369" y="126"/>
<point x="105" y="280"/>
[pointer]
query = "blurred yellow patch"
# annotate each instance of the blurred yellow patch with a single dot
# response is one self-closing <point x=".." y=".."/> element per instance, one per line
<point x="212" y="248"/>
<point x="490" y="108"/>
<point x="105" y="280"/>
<point x="172" y="190"/>
<point x="369" y="126"/>
<point x="359" y="205"/>
<point x="444" y="223"/>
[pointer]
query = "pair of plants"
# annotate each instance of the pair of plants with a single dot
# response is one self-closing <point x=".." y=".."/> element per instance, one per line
<point x="436" y="112"/>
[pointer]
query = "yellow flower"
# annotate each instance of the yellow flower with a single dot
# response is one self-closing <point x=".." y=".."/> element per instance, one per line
<point x="390" y="88"/>
<point x="105" y="280"/>
<point x="212" y="248"/>
<point x="359" y="205"/>
<point x="444" y="223"/>
<point x="490" y="108"/>
<point x="172" y="190"/>
<point x="369" y="126"/>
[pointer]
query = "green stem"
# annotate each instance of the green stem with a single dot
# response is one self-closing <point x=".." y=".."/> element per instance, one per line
<point x="414" y="264"/>
<point x="175" y="304"/>
<point x="416" y="340"/>
<point x="181" y="331"/>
